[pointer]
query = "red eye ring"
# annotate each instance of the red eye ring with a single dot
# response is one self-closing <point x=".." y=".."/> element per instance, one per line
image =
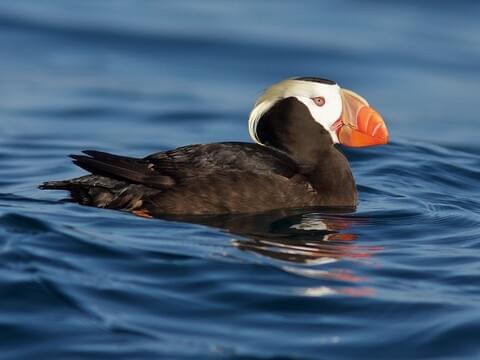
<point x="319" y="100"/>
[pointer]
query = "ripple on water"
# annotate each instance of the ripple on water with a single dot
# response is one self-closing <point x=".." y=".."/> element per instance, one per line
<point x="397" y="278"/>
<point x="407" y="249"/>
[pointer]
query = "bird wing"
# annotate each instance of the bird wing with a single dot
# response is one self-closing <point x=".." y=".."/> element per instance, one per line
<point x="210" y="159"/>
<point x="164" y="170"/>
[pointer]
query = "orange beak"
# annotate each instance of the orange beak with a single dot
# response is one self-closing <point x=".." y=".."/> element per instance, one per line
<point x="359" y="125"/>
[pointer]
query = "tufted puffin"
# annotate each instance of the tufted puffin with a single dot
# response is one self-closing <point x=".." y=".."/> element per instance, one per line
<point x="293" y="162"/>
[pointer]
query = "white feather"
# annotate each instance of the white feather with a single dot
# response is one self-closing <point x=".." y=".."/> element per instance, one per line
<point x="304" y="91"/>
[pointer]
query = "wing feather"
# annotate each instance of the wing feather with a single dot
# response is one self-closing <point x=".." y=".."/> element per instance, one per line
<point x="135" y="170"/>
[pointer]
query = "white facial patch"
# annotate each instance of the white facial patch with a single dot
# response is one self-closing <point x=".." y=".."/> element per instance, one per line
<point x="327" y="114"/>
<point x="304" y="91"/>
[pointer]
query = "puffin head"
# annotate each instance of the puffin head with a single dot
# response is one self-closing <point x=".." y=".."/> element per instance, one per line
<point x="307" y="115"/>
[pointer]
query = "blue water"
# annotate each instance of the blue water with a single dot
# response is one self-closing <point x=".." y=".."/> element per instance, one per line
<point x="397" y="279"/>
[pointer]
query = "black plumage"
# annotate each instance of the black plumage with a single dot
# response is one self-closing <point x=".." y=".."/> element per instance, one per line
<point x="299" y="166"/>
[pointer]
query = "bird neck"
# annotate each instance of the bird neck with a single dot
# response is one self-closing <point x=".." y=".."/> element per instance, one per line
<point x="331" y="174"/>
<point x="289" y="127"/>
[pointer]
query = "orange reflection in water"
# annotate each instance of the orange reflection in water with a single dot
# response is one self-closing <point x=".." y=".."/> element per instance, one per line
<point x="309" y="243"/>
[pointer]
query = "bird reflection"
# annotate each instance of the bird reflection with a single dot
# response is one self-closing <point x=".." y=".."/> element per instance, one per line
<point x="301" y="241"/>
<point x="298" y="236"/>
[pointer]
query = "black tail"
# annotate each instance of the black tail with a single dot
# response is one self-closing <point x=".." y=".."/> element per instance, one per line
<point x="78" y="188"/>
<point x="101" y="191"/>
<point x="55" y="185"/>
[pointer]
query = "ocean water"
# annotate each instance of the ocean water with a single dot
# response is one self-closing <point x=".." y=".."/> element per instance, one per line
<point x="399" y="278"/>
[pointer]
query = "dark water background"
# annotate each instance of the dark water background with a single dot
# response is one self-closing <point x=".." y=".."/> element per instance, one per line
<point x="397" y="279"/>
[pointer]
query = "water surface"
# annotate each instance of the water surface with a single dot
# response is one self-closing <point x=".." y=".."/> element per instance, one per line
<point x="398" y="278"/>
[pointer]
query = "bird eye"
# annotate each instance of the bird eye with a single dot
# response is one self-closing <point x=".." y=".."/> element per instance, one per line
<point x="319" y="100"/>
